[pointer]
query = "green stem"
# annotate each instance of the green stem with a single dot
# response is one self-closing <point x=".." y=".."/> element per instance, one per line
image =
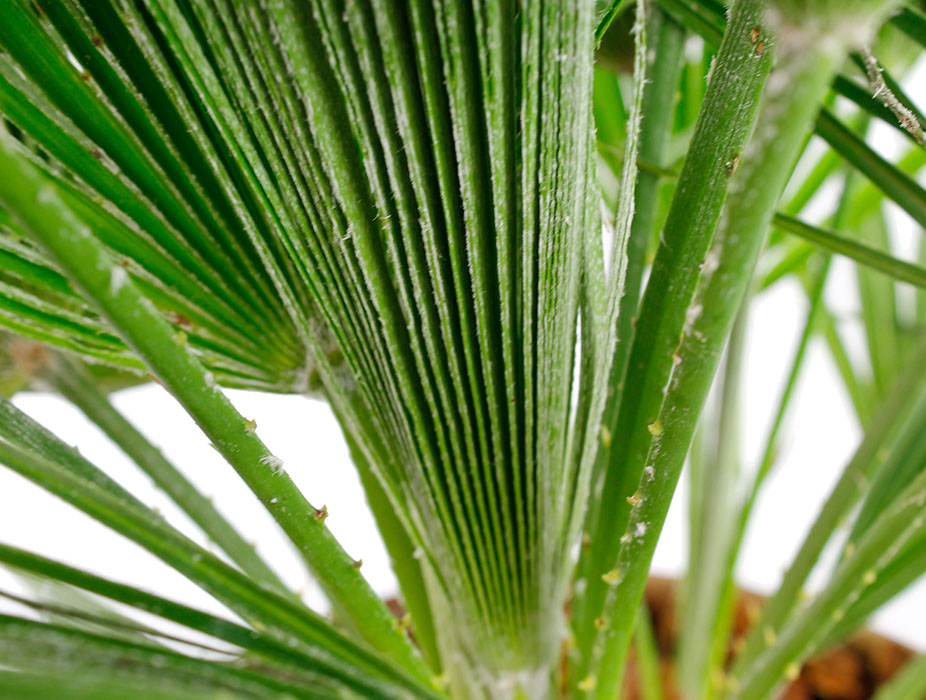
<point x="724" y="619"/>
<point x="723" y="125"/>
<point x="704" y="590"/>
<point x="37" y="205"/>
<point x="646" y="649"/>
<point x="788" y="106"/>
<point x="662" y="76"/>
<point x="401" y="549"/>
<point x="867" y="256"/>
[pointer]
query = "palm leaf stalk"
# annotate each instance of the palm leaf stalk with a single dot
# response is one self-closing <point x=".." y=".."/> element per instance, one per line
<point x="394" y="206"/>
<point x="686" y="235"/>
<point x="789" y="104"/>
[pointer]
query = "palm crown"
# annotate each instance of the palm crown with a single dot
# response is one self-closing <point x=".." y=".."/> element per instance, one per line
<point x="438" y="215"/>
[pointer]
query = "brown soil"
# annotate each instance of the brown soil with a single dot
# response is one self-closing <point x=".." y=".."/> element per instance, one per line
<point x="850" y="672"/>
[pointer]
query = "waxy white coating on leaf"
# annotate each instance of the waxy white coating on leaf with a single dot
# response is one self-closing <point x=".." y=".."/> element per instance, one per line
<point x="274" y="462"/>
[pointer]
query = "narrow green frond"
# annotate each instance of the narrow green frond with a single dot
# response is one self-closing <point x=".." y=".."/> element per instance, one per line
<point x="912" y="22"/>
<point x="905" y="568"/>
<point x="888" y="265"/>
<point x="909" y="684"/>
<point x="897" y="185"/>
<point x="57" y="685"/>
<point x="646" y="650"/>
<point x="803" y="634"/>
<point x="607" y="18"/>
<point x="261" y="643"/>
<point x="907" y="458"/>
<point x="288" y="620"/>
<point x="702" y="20"/>
<point x="609" y="299"/>
<point x="36" y="647"/>
<point x="896" y="410"/>
<point x="75" y="384"/>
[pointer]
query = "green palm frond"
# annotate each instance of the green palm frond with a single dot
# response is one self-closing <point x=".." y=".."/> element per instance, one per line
<point x="510" y="270"/>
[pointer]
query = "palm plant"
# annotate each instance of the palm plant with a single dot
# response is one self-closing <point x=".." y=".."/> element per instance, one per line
<point x="438" y="216"/>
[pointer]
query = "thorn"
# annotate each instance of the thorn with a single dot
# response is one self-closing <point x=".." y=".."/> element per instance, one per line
<point x="655" y="428"/>
<point x="357" y="563"/>
<point x="403" y="623"/>
<point x="250" y="425"/>
<point x="635" y="499"/>
<point x="179" y="319"/>
<point x="321" y="513"/>
<point x="733" y="165"/>
<point x="612" y="578"/>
